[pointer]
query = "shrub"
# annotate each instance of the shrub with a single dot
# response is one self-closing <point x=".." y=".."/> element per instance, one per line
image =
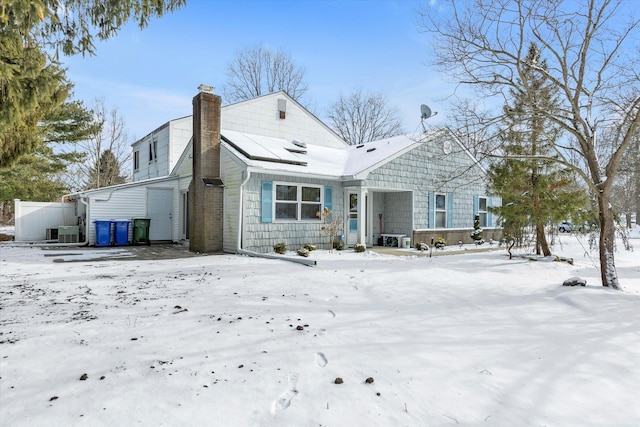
<point x="439" y="242"/>
<point x="280" y="247"/>
<point x="476" y="234"/>
<point x="303" y="251"/>
<point x="309" y="247"/>
<point x="422" y="246"/>
<point x="338" y="245"/>
<point x="359" y="247"/>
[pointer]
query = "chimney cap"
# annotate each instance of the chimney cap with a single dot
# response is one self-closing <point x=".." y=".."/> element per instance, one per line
<point x="206" y="88"/>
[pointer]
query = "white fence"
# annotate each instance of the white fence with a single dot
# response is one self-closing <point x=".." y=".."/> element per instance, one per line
<point x="33" y="219"/>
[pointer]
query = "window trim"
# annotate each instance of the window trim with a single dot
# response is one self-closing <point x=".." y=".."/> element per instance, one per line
<point x="443" y="210"/>
<point x="298" y="202"/>
<point x="153" y="150"/>
<point x="136" y="160"/>
<point x="484" y="212"/>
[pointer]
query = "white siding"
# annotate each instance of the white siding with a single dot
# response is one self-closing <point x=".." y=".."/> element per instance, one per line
<point x="261" y="117"/>
<point x="159" y="166"/>
<point x="180" y="133"/>
<point x="232" y="174"/>
<point x="127" y="203"/>
<point x="184" y="167"/>
<point x="171" y="140"/>
<point x="33" y="219"/>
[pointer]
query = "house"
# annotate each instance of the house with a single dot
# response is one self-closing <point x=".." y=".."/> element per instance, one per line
<point x="255" y="173"/>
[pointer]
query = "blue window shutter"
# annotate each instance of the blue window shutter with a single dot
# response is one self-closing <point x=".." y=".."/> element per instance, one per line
<point x="449" y="210"/>
<point x="328" y="198"/>
<point x="267" y="201"/>
<point x="431" y="216"/>
<point x="489" y="216"/>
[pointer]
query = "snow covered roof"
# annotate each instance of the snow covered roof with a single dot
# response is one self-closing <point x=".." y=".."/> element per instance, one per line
<point x="295" y="157"/>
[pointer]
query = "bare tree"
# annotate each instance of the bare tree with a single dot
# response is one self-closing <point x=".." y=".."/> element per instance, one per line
<point x="259" y="71"/>
<point x="626" y="188"/>
<point x="471" y="123"/>
<point x="592" y="61"/>
<point x="107" y="152"/>
<point x="363" y="117"/>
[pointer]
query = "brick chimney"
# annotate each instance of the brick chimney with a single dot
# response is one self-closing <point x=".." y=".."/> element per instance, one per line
<point x="206" y="190"/>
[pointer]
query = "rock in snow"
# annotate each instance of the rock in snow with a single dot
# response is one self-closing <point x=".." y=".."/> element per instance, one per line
<point x="574" y="281"/>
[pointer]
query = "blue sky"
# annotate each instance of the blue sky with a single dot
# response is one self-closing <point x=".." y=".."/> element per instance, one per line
<point x="151" y="75"/>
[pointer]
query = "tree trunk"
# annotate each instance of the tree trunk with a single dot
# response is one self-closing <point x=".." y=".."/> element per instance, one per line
<point x="608" y="272"/>
<point x="637" y="192"/>
<point x="541" y="241"/>
<point x="541" y="238"/>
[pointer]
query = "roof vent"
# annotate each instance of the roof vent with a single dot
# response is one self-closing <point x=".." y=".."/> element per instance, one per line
<point x="299" y="143"/>
<point x="370" y="150"/>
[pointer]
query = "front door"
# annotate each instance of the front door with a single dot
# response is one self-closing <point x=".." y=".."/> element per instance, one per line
<point x="352" y="219"/>
<point x="159" y="208"/>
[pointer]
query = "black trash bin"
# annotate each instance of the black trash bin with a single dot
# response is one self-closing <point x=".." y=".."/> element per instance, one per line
<point x="141" y="230"/>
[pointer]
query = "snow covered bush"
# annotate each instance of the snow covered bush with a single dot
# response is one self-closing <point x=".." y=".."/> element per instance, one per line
<point x="309" y="247"/>
<point x="476" y="234"/>
<point x="338" y="245"/>
<point x="280" y="247"/>
<point x="439" y="242"/>
<point x="303" y="251"/>
<point x="422" y="246"/>
<point x="359" y="247"/>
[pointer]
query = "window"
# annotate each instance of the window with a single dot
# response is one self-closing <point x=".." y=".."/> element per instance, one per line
<point x="136" y="160"/>
<point x="153" y="150"/>
<point x="297" y="202"/>
<point x="441" y="210"/>
<point x="482" y="211"/>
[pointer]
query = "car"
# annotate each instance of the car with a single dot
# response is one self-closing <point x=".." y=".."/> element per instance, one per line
<point x="565" y="227"/>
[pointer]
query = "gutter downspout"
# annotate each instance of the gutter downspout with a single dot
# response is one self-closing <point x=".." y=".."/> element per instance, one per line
<point x="298" y="260"/>
<point x="240" y="251"/>
<point x="241" y="212"/>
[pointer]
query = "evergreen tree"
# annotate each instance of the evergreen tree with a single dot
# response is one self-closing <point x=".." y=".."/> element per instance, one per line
<point x="31" y="88"/>
<point x="105" y="172"/>
<point x="39" y="175"/>
<point x="534" y="189"/>
<point x="34" y="177"/>
<point x="32" y="83"/>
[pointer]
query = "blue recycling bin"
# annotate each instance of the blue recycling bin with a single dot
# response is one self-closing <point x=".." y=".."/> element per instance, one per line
<point x="121" y="232"/>
<point x="103" y="232"/>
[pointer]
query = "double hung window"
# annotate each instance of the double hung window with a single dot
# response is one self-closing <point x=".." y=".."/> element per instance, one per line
<point x="297" y="202"/>
<point x="441" y="210"/>
<point x="482" y="211"/>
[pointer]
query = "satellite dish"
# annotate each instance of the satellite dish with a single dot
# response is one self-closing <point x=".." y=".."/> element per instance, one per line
<point x="425" y="113"/>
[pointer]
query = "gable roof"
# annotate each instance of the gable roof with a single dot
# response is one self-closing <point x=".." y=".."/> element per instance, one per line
<point x="276" y="155"/>
<point x="282" y="94"/>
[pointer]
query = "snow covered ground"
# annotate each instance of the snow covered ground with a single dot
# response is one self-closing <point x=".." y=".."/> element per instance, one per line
<point x="472" y="339"/>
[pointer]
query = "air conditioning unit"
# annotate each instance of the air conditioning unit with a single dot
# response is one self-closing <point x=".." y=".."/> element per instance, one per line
<point x="52" y="234"/>
<point x="68" y="233"/>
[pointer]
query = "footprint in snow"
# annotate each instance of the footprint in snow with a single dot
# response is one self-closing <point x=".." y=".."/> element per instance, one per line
<point x="331" y="313"/>
<point x="284" y="401"/>
<point x="321" y="359"/>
